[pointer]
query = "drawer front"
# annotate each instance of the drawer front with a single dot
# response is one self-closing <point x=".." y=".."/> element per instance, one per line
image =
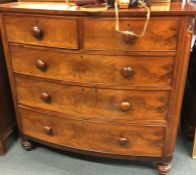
<point x="108" y="104"/>
<point x="161" y="34"/>
<point x="93" y="136"/>
<point x="109" y="70"/>
<point x="52" y="32"/>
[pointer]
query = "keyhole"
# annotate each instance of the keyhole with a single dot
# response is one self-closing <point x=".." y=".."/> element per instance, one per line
<point x="94" y="95"/>
<point x="94" y="89"/>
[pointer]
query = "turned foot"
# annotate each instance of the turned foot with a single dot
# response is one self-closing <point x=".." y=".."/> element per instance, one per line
<point x="163" y="168"/>
<point x="27" y="145"/>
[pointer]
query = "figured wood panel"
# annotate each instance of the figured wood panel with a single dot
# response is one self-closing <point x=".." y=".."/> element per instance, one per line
<point x="146" y="71"/>
<point x="101" y="34"/>
<point x="94" y="102"/>
<point x="59" y="32"/>
<point x="92" y="136"/>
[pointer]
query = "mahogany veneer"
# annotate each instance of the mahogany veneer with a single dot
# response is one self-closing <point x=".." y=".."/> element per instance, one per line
<point x="60" y="32"/>
<point x="109" y="138"/>
<point x="156" y="37"/>
<point x="126" y="70"/>
<point x="79" y="85"/>
<point x="93" y="102"/>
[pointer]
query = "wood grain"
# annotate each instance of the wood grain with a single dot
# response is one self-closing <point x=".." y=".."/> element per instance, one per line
<point x="94" y="102"/>
<point x="94" y="136"/>
<point x="180" y="70"/>
<point x="133" y="118"/>
<point x="101" y="34"/>
<point x="146" y="70"/>
<point x="56" y="32"/>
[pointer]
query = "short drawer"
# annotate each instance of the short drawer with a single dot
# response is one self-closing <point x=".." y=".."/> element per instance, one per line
<point x="95" y="103"/>
<point x="108" y="70"/>
<point x="93" y="136"/>
<point x="161" y="34"/>
<point x="42" y="31"/>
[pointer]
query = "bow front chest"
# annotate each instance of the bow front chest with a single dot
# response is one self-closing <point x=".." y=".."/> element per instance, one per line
<point x="79" y="85"/>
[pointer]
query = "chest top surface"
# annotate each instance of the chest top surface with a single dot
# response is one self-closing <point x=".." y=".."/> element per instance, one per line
<point x="59" y="8"/>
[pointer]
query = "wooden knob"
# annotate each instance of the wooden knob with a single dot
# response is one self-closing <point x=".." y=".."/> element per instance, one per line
<point x="41" y="65"/>
<point x="46" y="97"/>
<point x="127" y="71"/>
<point x="48" y="130"/>
<point x="123" y="141"/>
<point x="128" y="38"/>
<point x="37" y="33"/>
<point x="125" y="106"/>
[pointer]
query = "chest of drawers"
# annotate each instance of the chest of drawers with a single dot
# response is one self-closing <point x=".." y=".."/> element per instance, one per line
<point x="79" y="85"/>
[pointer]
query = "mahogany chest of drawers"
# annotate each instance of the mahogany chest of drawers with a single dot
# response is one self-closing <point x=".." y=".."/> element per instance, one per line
<point x="79" y="85"/>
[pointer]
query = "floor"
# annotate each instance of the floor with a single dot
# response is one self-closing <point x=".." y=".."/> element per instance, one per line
<point x="45" y="161"/>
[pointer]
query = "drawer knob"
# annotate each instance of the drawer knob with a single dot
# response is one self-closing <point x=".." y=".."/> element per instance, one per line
<point x="48" y="130"/>
<point x="128" y="38"/>
<point x="41" y="65"/>
<point x="125" y="106"/>
<point x="46" y="97"/>
<point x="127" y="71"/>
<point x="123" y="141"/>
<point x="37" y="33"/>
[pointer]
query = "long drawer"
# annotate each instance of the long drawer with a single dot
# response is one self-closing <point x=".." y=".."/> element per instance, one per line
<point x="92" y="136"/>
<point x="42" y="31"/>
<point x="109" y="70"/>
<point x="101" y="35"/>
<point x="117" y="105"/>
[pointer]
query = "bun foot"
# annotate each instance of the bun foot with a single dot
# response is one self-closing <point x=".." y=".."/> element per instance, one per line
<point x="163" y="168"/>
<point x="27" y="145"/>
